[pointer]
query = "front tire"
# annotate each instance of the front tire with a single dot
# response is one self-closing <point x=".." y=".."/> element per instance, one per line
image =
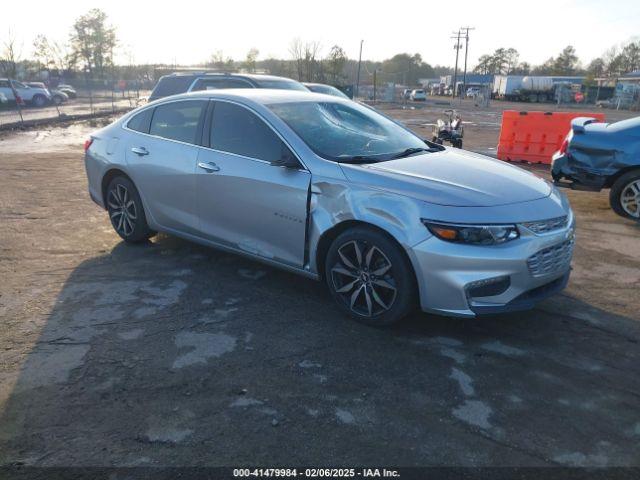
<point x="624" y="196"/>
<point x="126" y="211"/>
<point x="369" y="277"/>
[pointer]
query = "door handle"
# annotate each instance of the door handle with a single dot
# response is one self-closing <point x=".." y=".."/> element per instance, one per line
<point x="209" y="166"/>
<point x="141" y="151"/>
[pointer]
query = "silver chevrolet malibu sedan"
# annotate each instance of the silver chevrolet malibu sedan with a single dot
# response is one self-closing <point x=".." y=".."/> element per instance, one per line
<point x="335" y="191"/>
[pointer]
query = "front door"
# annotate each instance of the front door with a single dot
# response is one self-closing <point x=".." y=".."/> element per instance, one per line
<point x="244" y="201"/>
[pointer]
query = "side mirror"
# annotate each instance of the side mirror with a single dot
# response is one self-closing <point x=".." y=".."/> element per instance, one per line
<point x="287" y="159"/>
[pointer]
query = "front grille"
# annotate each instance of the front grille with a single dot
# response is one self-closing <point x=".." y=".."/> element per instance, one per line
<point x="554" y="259"/>
<point x="546" y="226"/>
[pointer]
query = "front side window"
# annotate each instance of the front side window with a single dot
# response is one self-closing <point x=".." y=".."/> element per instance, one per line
<point x="17" y="84"/>
<point x="177" y="120"/>
<point x="343" y="132"/>
<point x="235" y="129"/>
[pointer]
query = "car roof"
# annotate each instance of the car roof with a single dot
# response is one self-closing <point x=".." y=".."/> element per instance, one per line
<point x="252" y="76"/>
<point x="263" y="96"/>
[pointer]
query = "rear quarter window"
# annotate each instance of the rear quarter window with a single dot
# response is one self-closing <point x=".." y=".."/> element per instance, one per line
<point x="171" y="86"/>
<point x="141" y="121"/>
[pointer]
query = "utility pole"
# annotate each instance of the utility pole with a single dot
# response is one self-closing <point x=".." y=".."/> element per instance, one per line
<point x="358" y="77"/>
<point x="375" y="71"/>
<point x="466" y="51"/>
<point x="457" y="47"/>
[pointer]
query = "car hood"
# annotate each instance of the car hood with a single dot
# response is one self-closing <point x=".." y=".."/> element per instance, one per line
<point x="452" y="177"/>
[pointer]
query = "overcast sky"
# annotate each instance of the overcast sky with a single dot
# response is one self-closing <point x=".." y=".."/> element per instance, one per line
<point x="191" y="31"/>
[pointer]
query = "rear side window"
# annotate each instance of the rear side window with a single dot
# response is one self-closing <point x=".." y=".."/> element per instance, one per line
<point x="178" y="120"/>
<point x="141" y="121"/>
<point x="235" y="129"/>
<point x="171" y="86"/>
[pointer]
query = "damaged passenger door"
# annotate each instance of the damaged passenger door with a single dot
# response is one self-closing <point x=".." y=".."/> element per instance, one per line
<point x="251" y="189"/>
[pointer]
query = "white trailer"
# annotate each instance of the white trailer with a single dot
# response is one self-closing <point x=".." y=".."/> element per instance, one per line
<point x="506" y="87"/>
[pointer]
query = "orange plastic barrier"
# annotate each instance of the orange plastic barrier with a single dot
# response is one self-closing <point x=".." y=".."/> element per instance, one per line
<point x="535" y="136"/>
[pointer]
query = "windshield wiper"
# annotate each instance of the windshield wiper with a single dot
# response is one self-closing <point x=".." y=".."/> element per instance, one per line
<point x="411" y="151"/>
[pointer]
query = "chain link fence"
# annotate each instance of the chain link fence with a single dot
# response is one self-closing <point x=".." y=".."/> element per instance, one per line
<point x="92" y="98"/>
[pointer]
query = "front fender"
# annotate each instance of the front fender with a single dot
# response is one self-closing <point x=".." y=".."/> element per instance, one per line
<point x="333" y="203"/>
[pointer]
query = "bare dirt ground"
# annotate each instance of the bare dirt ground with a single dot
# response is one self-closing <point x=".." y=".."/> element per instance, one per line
<point x="171" y="354"/>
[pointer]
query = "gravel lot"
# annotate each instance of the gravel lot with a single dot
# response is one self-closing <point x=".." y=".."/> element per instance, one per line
<point x="173" y="354"/>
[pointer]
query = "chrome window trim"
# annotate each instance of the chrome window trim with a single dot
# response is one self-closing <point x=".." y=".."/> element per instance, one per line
<point x="209" y="99"/>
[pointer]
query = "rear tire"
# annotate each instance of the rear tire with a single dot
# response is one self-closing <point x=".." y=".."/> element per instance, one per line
<point x="624" y="196"/>
<point x="39" y="101"/>
<point x="126" y="211"/>
<point x="370" y="277"/>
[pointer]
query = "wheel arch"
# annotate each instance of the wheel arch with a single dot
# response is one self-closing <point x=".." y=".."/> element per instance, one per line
<point x="106" y="179"/>
<point x="328" y="236"/>
<point x="623" y="171"/>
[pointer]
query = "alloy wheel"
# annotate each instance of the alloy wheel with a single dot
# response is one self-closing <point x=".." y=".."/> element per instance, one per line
<point x="122" y="210"/>
<point x="363" y="278"/>
<point x="630" y="199"/>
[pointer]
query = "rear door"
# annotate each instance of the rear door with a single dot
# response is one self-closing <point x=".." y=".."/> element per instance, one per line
<point x="244" y="201"/>
<point x="161" y="155"/>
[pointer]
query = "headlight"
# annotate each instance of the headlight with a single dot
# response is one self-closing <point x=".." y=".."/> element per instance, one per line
<point x="473" y="234"/>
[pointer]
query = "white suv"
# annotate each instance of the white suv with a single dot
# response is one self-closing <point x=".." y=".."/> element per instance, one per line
<point x="35" y="96"/>
<point x="418" y="95"/>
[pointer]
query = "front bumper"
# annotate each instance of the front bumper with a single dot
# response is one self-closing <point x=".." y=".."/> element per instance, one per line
<point x="529" y="269"/>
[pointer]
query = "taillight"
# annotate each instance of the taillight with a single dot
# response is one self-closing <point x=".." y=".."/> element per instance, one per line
<point x="87" y="144"/>
<point x="564" y="146"/>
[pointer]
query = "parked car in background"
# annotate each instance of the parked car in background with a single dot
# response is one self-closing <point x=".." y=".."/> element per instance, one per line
<point x="57" y="97"/>
<point x="68" y="90"/>
<point x="326" y="89"/>
<point x="603" y="155"/>
<point x="331" y="189"/>
<point x="472" y="92"/>
<point x="36" y="96"/>
<point x="418" y="95"/>
<point x="406" y="94"/>
<point x="190" y="82"/>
